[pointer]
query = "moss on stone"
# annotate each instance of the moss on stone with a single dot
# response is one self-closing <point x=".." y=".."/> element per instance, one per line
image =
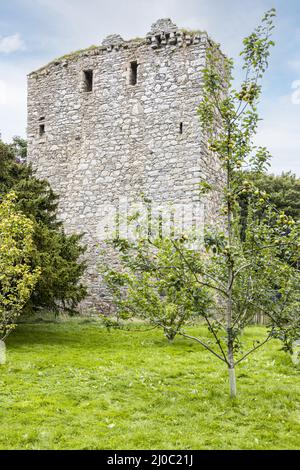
<point x="69" y="56"/>
<point x="73" y="55"/>
<point x="192" y="32"/>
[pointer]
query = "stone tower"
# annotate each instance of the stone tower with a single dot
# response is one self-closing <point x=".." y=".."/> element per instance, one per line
<point x="119" y="119"/>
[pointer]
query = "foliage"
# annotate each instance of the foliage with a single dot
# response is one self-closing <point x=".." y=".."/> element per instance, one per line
<point x="19" y="148"/>
<point x="57" y="254"/>
<point x="73" y="385"/>
<point x="283" y="192"/>
<point x="152" y="283"/>
<point x="34" y="197"/>
<point x="17" y="276"/>
<point x="240" y="276"/>
<point x="251" y="274"/>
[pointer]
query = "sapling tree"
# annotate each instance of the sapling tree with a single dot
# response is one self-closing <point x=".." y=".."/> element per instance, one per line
<point x="253" y="274"/>
<point x="238" y="275"/>
<point x="17" y="276"/>
<point x="151" y="282"/>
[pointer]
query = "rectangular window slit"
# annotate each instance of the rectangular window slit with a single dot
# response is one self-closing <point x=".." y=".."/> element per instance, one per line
<point x="133" y="73"/>
<point x="88" y="80"/>
<point x="180" y="128"/>
<point x="42" y="129"/>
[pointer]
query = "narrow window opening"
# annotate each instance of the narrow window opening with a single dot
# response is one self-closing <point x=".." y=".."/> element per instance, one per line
<point x="88" y="80"/>
<point x="41" y="129"/>
<point x="133" y="73"/>
<point x="180" y="128"/>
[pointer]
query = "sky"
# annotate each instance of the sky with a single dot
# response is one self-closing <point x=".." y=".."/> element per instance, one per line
<point x="34" y="32"/>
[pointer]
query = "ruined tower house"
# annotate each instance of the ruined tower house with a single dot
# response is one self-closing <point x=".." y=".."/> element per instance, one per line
<point x="117" y="120"/>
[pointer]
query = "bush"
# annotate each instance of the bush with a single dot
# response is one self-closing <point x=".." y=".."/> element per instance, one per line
<point x="18" y="277"/>
<point x="150" y="282"/>
<point x="57" y="254"/>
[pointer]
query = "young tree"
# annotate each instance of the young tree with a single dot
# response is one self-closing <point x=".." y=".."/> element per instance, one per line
<point x="240" y="275"/>
<point x="252" y="275"/>
<point x="151" y="282"/>
<point x="18" y="277"/>
<point x="59" y="286"/>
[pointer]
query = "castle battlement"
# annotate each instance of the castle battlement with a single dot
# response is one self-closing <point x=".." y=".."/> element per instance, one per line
<point x="163" y="33"/>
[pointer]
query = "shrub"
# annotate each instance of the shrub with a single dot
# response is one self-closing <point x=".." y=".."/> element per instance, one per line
<point x="18" y="277"/>
<point x="152" y="283"/>
<point x="57" y="254"/>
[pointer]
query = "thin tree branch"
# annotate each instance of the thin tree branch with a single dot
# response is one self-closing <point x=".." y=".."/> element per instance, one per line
<point x="203" y="344"/>
<point x="254" y="349"/>
<point x="216" y="337"/>
<point x="194" y="274"/>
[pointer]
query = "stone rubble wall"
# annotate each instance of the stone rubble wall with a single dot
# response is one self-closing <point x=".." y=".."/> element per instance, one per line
<point x="121" y="140"/>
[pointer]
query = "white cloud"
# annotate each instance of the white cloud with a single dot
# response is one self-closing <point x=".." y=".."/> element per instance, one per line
<point x="79" y="23"/>
<point x="296" y="92"/>
<point x="12" y="101"/>
<point x="9" y="44"/>
<point x="132" y="18"/>
<point x="3" y="94"/>
<point x="280" y="133"/>
<point x="294" y="64"/>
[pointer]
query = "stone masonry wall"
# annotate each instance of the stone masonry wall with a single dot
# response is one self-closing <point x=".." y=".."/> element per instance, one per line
<point x="120" y="139"/>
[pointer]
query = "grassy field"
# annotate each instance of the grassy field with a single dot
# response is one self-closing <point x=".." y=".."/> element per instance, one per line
<point x="76" y="386"/>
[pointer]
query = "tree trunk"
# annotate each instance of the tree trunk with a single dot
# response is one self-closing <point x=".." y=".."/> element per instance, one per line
<point x="2" y="353"/>
<point x="230" y="280"/>
<point x="231" y="369"/>
<point x="232" y="382"/>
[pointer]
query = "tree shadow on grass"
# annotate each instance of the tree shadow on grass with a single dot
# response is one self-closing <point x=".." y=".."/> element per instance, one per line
<point x="52" y="334"/>
<point x="91" y="337"/>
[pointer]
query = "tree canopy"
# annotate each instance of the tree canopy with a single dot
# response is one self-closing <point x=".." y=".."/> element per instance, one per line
<point x="56" y="253"/>
<point x="18" y="276"/>
<point x="283" y="191"/>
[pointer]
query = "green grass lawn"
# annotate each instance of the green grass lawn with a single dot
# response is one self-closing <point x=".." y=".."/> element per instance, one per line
<point x="74" y="385"/>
